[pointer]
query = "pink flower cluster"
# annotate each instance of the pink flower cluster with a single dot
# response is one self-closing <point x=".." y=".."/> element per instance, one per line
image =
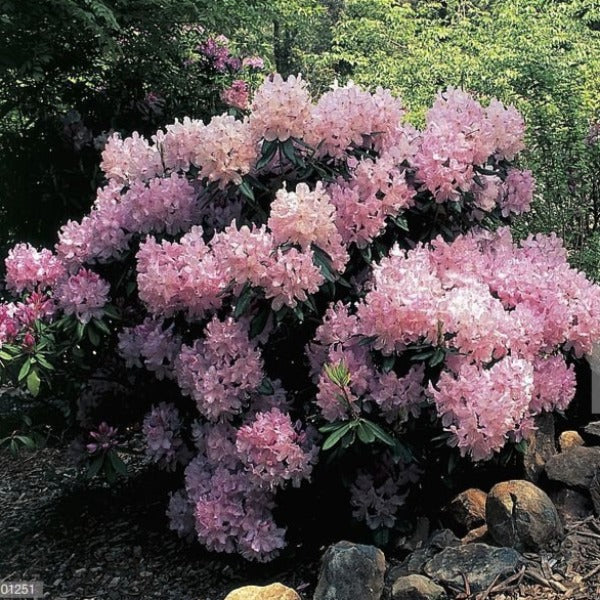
<point x="162" y="432"/>
<point x="28" y="269"/>
<point x="270" y="449"/>
<point x="376" y="190"/>
<point x="221" y="371"/>
<point x="236" y="95"/>
<point x="461" y="135"/>
<point x="337" y="340"/>
<point x="281" y="109"/>
<point x="83" y="295"/>
<point x="230" y="485"/>
<point x="152" y="345"/>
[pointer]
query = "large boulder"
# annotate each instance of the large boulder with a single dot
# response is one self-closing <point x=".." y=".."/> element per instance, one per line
<point x="350" y="571"/>
<point x="417" y="587"/>
<point x="275" y="591"/>
<point x="540" y="448"/>
<point x="575" y="467"/>
<point x="467" y="510"/>
<point x="480" y="563"/>
<point x="522" y="516"/>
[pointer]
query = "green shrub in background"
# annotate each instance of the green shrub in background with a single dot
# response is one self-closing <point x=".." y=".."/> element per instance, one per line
<point x="543" y="56"/>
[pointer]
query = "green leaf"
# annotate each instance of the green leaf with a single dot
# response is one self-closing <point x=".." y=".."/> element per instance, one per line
<point x="289" y="151"/>
<point x="80" y="328"/>
<point x="24" y="371"/>
<point x="267" y="153"/>
<point x="243" y="302"/>
<point x="331" y="426"/>
<point x="323" y="261"/>
<point x="365" y="434"/>
<point x="26" y="441"/>
<point x="93" y="336"/>
<point x="388" y="363"/>
<point x="259" y="321"/>
<point x="379" y="433"/>
<point x="246" y="190"/>
<point x="44" y="363"/>
<point x="95" y="466"/>
<point x="336" y="436"/>
<point x="102" y="326"/>
<point x="118" y="465"/>
<point x="266" y="387"/>
<point x="5" y="356"/>
<point x="438" y="357"/>
<point x="33" y="383"/>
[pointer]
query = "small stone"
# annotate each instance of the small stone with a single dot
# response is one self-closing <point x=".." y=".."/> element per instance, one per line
<point x="467" y="510"/>
<point x="275" y="591"/>
<point x="417" y="587"/>
<point x="540" y="448"/>
<point x="576" y="467"/>
<point x="522" y="516"/>
<point x="477" y="535"/>
<point x="350" y="571"/>
<point x="479" y="562"/>
<point x="569" y="439"/>
<point x="114" y="582"/>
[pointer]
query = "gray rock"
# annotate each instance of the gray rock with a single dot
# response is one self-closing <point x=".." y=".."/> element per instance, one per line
<point x="522" y="516"/>
<point x="540" y="448"/>
<point x="442" y="538"/>
<point x="415" y="561"/>
<point x="575" y="467"/>
<point x="350" y="571"/>
<point x="480" y="563"/>
<point x="417" y="587"/>
<point x="593" y="429"/>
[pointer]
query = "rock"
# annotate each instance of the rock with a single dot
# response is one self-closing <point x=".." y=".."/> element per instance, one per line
<point x="442" y="538"/>
<point x="275" y="591"/>
<point x="417" y="587"/>
<point x="415" y="561"/>
<point x="569" y="439"/>
<point x="576" y="467"/>
<point x="571" y="504"/>
<point x="350" y="571"/>
<point x="595" y="491"/>
<point x="479" y="562"/>
<point x="477" y="535"/>
<point x="593" y="429"/>
<point x="467" y="510"/>
<point x="521" y="516"/>
<point x="540" y="447"/>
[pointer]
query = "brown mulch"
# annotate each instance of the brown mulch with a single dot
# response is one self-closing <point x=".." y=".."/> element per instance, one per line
<point x="89" y="542"/>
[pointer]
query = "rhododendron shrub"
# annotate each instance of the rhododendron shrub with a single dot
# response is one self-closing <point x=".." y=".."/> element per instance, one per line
<point x="310" y="279"/>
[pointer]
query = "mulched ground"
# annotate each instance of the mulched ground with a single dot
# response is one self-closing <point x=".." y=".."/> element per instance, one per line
<point x="94" y="543"/>
<point x="90" y="542"/>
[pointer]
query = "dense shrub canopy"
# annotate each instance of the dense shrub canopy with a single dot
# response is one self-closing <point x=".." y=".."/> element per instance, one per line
<point x="314" y="273"/>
